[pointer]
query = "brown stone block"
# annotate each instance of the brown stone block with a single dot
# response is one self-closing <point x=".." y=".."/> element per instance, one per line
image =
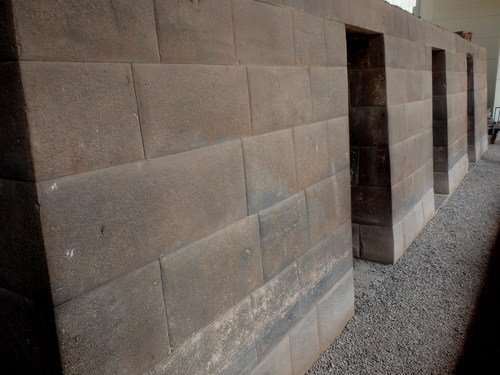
<point x="335" y="310"/>
<point x="376" y="243"/>
<point x="209" y="276"/>
<point x="397" y="86"/>
<point x="439" y="108"/>
<point x="338" y="10"/>
<point x="83" y="116"/>
<point x="279" y="361"/>
<point x="367" y="87"/>
<point x="280" y="98"/>
<point x="304" y="343"/>
<point x="117" y="328"/>
<point x="263" y="34"/>
<point x="216" y="347"/>
<point x="102" y="224"/>
<point x="309" y="39"/>
<point x="375" y="168"/>
<point x="329" y="92"/>
<point x="86" y="31"/>
<point x="189" y="106"/>
<point x="269" y="169"/>
<point x="336" y="52"/>
<point x="368" y="126"/>
<point x="372" y="16"/>
<point x="316" y="7"/>
<point x="439" y="86"/>
<point x="195" y="31"/>
<point x="311" y="153"/>
<point x="365" y="51"/>
<point x="338" y="144"/>
<point x="328" y="205"/>
<point x="371" y="205"/>
<point x="8" y="47"/>
<point x="284" y="234"/>
<point x="276" y="309"/>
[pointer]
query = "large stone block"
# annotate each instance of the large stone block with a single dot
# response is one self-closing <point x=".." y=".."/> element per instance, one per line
<point x="368" y="126"/>
<point x="377" y="243"/>
<point x="338" y="144"/>
<point x="209" y="276"/>
<point x="335" y="310"/>
<point x="397" y="86"/>
<point x="336" y="49"/>
<point x="280" y="98"/>
<point x="269" y="169"/>
<point x="216" y="347"/>
<point x="263" y="34"/>
<point x="311" y="153"/>
<point x="329" y="92"/>
<point x="309" y="39"/>
<point x="82" y="116"/>
<point x="278" y="362"/>
<point x="189" y="106"/>
<point x="375" y="166"/>
<point x="284" y="234"/>
<point x="102" y="224"/>
<point x="396" y="123"/>
<point x="122" y="31"/>
<point x="328" y="205"/>
<point x="195" y="31"/>
<point x="118" y="328"/>
<point x="304" y="343"/>
<point x="371" y="205"/>
<point x="276" y="308"/>
<point x="366" y="51"/>
<point x="316" y="7"/>
<point x="367" y="87"/>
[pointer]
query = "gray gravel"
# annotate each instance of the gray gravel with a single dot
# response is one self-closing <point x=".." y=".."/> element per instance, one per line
<point x="412" y="317"/>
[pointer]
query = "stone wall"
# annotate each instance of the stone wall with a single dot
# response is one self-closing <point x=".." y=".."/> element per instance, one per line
<point x="175" y="175"/>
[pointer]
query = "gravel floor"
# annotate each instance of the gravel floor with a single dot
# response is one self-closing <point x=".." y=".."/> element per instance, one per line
<point x="417" y="316"/>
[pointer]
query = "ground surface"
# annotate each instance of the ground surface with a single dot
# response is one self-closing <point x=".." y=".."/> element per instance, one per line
<point x="436" y="311"/>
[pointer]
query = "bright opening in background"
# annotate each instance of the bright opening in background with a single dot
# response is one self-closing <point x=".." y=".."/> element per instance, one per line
<point x="407" y="5"/>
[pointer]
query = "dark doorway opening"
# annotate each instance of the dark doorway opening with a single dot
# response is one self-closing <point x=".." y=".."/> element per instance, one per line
<point x="471" y="134"/>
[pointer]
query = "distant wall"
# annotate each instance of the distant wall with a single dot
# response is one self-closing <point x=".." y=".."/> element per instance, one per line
<point x="188" y="165"/>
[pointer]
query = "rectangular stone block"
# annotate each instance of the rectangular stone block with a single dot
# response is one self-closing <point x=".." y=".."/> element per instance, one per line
<point x="195" y="31"/>
<point x="309" y="39"/>
<point x="82" y="116"/>
<point x="396" y="123"/>
<point x="335" y="310"/>
<point x="371" y="205"/>
<point x="125" y="317"/>
<point x="278" y="362"/>
<point x="375" y="168"/>
<point x="316" y="263"/>
<point x="311" y="153"/>
<point x="276" y="308"/>
<point x="336" y="49"/>
<point x="396" y="86"/>
<point x="263" y="34"/>
<point x="441" y="183"/>
<point x="102" y="224"/>
<point x="270" y="171"/>
<point x="280" y="98"/>
<point x="316" y="7"/>
<point x="415" y="82"/>
<point x="206" y="278"/>
<point x="365" y="51"/>
<point x="304" y="343"/>
<point x="368" y="126"/>
<point x="244" y="362"/>
<point x="216" y="347"/>
<point x="367" y="87"/>
<point x="183" y="107"/>
<point x="397" y="52"/>
<point x="338" y="144"/>
<point x="120" y="31"/>
<point x="284" y="234"/>
<point x="329" y="92"/>
<point x="377" y="243"/>
<point x="397" y="166"/>
<point x="328" y="205"/>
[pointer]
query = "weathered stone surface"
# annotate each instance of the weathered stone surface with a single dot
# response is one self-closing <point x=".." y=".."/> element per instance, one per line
<point x="396" y="123"/>
<point x="367" y="87"/>
<point x="329" y="92"/>
<point x="209" y="276"/>
<point x="365" y="51"/>
<point x="102" y="224"/>
<point x="280" y="98"/>
<point x="263" y="34"/>
<point x="338" y="144"/>
<point x="396" y="81"/>
<point x="371" y="205"/>
<point x="117" y="328"/>
<point x="355" y="241"/>
<point x="183" y="107"/>
<point x="195" y="31"/>
<point x="244" y="362"/>
<point x="375" y="167"/>
<point x="335" y="310"/>
<point x="269" y="169"/>
<point x="397" y="163"/>
<point x="82" y="116"/>
<point x="376" y="243"/>
<point x="278" y="362"/>
<point x="368" y="126"/>
<point x="309" y="39"/>
<point x="328" y="205"/>
<point x="276" y="308"/>
<point x="316" y="263"/>
<point x="336" y="52"/>
<point x="284" y="234"/>
<point x="216" y="347"/>
<point x="86" y="30"/>
<point x="311" y="153"/>
<point x="316" y="7"/>
<point x="304" y="343"/>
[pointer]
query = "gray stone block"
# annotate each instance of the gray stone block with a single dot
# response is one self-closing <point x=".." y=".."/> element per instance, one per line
<point x="311" y="153"/>
<point x="338" y="144"/>
<point x="397" y="86"/>
<point x="375" y="169"/>
<point x="304" y="343"/>
<point x="102" y="224"/>
<point x="206" y="278"/>
<point x="118" y="328"/>
<point x="371" y="205"/>
<point x="329" y="92"/>
<point x="121" y="31"/>
<point x="198" y="32"/>
<point x="270" y="170"/>
<point x="280" y="98"/>
<point x="284" y="234"/>
<point x="244" y="363"/>
<point x="183" y="107"/>
<point x="316" y="7"/>
<point x="82" y="116"/>
<point x="263" y="34"/>
<point x="396" y="123"/>
<point x="336" y="49"/>
<point x="377" y="243"/>
<point x="278" y="362"/>
<point x="309" y="39"/>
